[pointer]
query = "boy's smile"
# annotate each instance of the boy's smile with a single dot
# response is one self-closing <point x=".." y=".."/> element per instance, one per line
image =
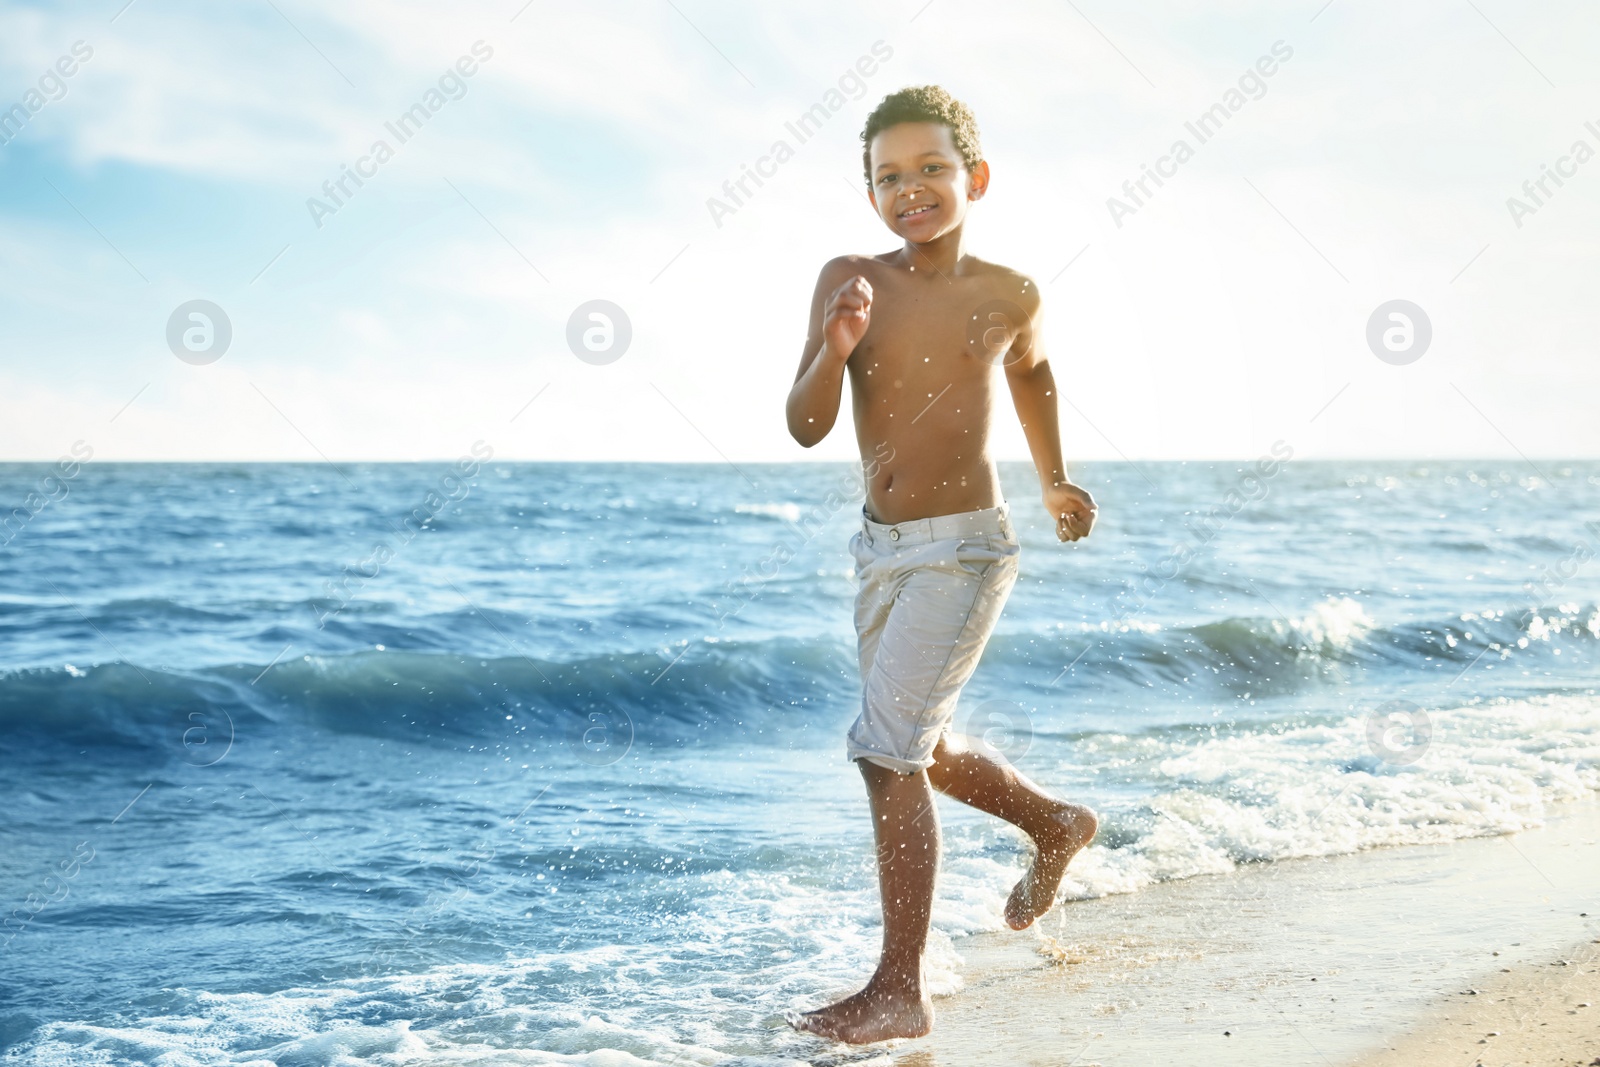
<point x="920" y="185"/>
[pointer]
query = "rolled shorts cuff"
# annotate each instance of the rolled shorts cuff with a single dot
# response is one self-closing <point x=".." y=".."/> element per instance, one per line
<point x="888" y="762"/>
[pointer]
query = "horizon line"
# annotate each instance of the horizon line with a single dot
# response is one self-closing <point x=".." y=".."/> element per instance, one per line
<point x="1386" y="458"/>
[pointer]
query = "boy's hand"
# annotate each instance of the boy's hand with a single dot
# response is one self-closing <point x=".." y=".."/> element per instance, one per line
<point x="1073" y="509"/>
<point x="847" y="315"/>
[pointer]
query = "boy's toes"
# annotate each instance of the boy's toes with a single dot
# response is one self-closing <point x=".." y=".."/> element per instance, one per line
<point x="1019" y="907"/>
<point x="1014" y="914"/>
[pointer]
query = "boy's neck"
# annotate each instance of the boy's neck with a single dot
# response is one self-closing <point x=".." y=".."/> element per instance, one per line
<point x="940" y="257"/>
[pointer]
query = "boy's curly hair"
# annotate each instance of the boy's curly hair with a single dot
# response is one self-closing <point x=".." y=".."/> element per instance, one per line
<point x="923" y="103"/>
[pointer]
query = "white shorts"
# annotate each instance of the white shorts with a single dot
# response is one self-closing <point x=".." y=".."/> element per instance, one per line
<point x="930" y="592"/>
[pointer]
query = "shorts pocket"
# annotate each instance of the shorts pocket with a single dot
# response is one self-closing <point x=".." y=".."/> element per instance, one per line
<point x="979" y="555"/>
<point x="859" y="553"/>
<point x="976" y="555"/>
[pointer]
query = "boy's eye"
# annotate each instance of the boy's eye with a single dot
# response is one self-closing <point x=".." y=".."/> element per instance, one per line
<point x="932" y="168"/>
<point x="887" y="178"/>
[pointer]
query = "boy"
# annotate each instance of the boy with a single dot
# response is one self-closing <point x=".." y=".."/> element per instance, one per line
<point x="920" y="331"/>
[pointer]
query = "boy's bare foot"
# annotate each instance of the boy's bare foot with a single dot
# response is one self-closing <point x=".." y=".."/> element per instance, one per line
<point x="1036" y="893"/>
<point x="871" y="1015"/>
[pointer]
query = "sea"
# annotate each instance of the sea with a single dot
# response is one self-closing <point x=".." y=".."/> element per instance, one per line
<point x="486" y="762"/>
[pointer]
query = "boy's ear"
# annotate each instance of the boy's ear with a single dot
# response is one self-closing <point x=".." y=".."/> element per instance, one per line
<point x="978" y="180"/>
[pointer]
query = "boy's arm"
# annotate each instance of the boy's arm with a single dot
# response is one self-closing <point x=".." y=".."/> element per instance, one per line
<point x="1033" y="392"/>
<point x="841" y="309"/>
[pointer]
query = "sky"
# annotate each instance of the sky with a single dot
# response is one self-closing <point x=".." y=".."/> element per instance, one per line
<point x="429" y="307"/>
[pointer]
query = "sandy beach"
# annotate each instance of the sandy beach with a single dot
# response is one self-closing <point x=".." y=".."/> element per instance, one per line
<point x="1395" y="956"/>
<point x="1536" y="1014"/>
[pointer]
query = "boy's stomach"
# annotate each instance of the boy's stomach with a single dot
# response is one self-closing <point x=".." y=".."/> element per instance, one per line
<point x="912" y="482"/>
<point x="924" y="439"/>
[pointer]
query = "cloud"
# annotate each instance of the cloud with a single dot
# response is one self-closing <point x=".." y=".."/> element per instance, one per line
<point x="588" y="145"/>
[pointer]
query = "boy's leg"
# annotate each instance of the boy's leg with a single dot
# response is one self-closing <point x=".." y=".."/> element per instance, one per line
<point x="978" y="776"/>
<point x="894" y="1003"/>
<point x="924" y="611"/>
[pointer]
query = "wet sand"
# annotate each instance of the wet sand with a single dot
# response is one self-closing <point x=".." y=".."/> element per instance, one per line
<point x="1360" y="959"/>
<point x="1536" y="1014"/>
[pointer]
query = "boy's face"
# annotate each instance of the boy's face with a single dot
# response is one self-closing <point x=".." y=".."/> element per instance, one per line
<point x="920" y="186"/>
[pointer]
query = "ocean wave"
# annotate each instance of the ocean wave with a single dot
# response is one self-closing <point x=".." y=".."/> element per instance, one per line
<point x="714" y="688"/>
<point x="675" y="693"/>
<point x="1275" y="654"/>
<point x="764" y="939"/>
<point x="789" y="512"/>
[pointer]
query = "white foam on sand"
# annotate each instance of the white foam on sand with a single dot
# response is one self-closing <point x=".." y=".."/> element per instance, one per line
<point x="1326" y="789"/>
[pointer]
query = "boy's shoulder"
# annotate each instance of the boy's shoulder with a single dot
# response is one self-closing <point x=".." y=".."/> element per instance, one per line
<point x="1005" y="283"/>
<point x="852" y="263"/>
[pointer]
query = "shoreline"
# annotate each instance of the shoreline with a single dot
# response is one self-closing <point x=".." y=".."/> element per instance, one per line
<point x="1337" y="960"/>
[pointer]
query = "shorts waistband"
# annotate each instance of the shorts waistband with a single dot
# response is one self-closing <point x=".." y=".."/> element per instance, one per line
<point x="980" y="523"/>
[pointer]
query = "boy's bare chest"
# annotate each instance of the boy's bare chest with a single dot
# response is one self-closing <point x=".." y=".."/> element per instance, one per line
<point x="923" y="332"/>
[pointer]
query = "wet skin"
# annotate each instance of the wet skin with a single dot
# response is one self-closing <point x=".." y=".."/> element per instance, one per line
<point x="923" y="370"/>
<point x="925" y="333"/>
